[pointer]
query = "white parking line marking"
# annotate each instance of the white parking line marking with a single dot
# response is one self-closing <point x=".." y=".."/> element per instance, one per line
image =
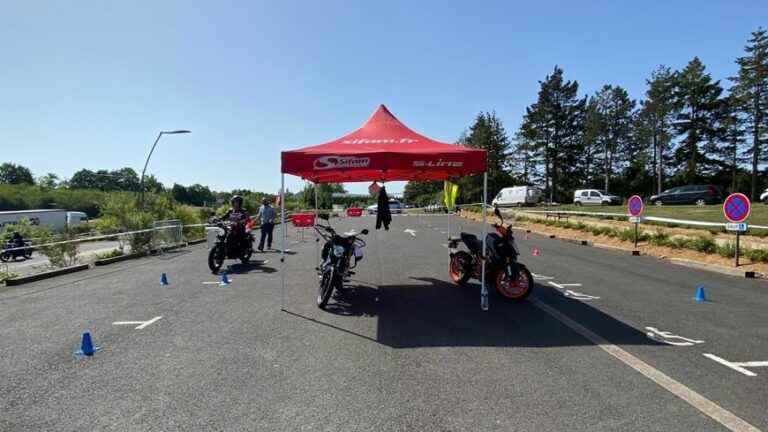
<point x="542" y="277"/>
<point x="706" y="406"/>
<point x="665" y="336"/>
<point x="738" y="366"/>
<point x="443" y="232"/>
<point x="410" y="231"/>
<point x="579" y="296"/>
<point x="142" y="324"/>
<point x="563" y="285"/>
<point x="445" y="245"/>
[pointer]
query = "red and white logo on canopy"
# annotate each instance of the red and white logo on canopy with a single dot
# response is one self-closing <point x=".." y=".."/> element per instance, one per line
<point x="343" y="162"/>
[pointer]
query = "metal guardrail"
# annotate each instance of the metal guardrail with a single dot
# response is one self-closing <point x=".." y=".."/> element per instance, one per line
<point x="648" y="218"/>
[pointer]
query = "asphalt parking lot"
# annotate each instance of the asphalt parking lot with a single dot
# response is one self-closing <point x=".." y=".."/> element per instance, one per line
<point x="401" y="348"/>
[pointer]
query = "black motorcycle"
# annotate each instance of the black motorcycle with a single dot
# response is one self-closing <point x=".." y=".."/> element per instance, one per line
<point x="337" y="255"/>
<point x="227" y="247"/>
<point x="11" y="251"/>
<point x="512" y="279"/>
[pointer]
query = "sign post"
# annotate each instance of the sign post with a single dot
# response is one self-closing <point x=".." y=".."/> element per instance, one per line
<point x="635" y="209"/>
<point x="736" y="209"/>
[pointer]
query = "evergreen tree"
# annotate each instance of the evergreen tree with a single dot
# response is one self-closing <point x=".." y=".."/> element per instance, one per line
<point x="488" y="133"/>
<point x="656" y="118"/>
<point x="732" y="151"/>
<point x="700" y="105"/>
<point x="613" y="118"/>
<point x="556" y="125"/>
<point x="750" y="93"/>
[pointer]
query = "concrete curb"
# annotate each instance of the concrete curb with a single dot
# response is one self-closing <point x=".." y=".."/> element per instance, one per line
<point x="107" y="261"/>
<point x="718" y="269"/>
<point x="197" y="241"/>
<point x="45" y="275"/>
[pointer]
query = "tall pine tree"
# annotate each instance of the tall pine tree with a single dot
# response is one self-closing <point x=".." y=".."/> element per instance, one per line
<point x="750" y="93"/>
<point x="656" y="117"/>
<point x="614" y="111"/>
<point x="556" y="122"/>
<point x="700" y="105"/>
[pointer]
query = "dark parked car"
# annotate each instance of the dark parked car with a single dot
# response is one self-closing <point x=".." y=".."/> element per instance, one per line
<point x="692" y="194"/>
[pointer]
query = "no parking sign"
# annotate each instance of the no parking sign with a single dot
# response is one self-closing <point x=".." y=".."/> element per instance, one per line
<point x="736" y="209"/>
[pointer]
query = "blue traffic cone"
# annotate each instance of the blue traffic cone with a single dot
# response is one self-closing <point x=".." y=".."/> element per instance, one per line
<point x="224" y="279"/>
<point x="163" y="279"/>
<point x="86" y="346"/>
<point x="700" y="296"/>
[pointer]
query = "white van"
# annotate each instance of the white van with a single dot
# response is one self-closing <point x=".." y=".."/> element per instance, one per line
<point x="595" y="196"/>
<point x="75" y="218"/>
<point x="517" y="196"/>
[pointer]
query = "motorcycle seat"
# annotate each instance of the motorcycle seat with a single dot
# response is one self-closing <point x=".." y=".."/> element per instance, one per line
<point x="474" y="245"/>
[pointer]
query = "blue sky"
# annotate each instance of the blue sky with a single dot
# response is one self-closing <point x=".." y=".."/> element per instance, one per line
<point x="89" y="86"/>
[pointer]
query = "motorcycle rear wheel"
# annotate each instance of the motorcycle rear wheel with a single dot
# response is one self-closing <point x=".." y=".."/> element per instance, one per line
<point x="517" y="290"/>
<point x="215" y="259"/>
<point x="325" y="289"/>
<point x="459" y="267"/>
<point x="5" y="256"/>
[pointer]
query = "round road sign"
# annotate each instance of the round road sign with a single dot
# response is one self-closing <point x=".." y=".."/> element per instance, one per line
<point x="635" y="205"/>
<point x="736" y="207"/>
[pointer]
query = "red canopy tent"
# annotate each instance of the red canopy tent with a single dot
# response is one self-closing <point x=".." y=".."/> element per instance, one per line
<point x="382" y="149"/>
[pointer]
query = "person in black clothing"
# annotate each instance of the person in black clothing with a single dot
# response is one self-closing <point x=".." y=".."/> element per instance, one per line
<point x="17" y="240"/>
<point x="238" y="215"/>
<point x="383" y="215"/>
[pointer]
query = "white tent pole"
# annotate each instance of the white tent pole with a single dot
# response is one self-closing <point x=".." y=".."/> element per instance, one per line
<point x="317" y="239"/>
<point x="483" y="288"/>
<point x="282" y="236"/>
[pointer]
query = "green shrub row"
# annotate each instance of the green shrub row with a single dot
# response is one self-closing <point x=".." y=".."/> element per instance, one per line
<point x="705" y="244"/>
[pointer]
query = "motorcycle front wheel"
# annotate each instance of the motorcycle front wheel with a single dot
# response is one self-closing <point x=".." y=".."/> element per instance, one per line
<point x="28" y="253"/>
<point x="325" y="289"/>
<point x="514" y="290"/>
<point x="215" y="259"/>
<point x="459" y="268"/>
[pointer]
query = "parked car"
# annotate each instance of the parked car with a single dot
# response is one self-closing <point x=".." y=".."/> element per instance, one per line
<point x="691" y="194"/>
<point x="394" y="207"/>
<point x="517" y="196"/>
<point x="595" y="196"/>
<point x="764" y="197"/>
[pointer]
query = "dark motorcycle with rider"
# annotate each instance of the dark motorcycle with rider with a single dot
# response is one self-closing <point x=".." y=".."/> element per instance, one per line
<point x="234" y="239"/>
<point x="511" y="279"/>
<point x="16" y="247"/>
<point x="341" y="254"/>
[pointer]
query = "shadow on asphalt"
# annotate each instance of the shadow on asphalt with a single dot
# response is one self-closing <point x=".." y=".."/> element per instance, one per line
<point x="436" y="313"/>
<point x="255" y="266"/>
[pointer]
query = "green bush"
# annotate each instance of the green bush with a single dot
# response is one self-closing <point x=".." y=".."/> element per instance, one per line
<point x="110" y="254"/>
<point x="703" y="244"/>
<point x="5" y="275"/>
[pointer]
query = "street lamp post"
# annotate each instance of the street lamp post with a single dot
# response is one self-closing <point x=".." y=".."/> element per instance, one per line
<point x="141" y="183"/>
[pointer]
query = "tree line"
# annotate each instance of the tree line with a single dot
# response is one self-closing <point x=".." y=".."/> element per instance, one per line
<point x="687" y="128"/>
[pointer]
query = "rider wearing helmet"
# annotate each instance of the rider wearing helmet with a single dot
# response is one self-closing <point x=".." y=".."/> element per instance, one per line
<point x="238" y="215"/>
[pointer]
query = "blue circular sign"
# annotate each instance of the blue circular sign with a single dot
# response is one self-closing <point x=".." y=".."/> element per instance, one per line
<point x="736" y="207"/>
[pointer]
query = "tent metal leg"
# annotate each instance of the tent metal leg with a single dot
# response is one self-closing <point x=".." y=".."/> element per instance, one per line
<point x="282" y="240"/>
<point x="484" y="288"/>
<point x="317" y="238"/>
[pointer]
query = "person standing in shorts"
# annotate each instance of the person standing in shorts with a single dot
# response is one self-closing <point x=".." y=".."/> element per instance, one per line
<point x="267" y="218"/>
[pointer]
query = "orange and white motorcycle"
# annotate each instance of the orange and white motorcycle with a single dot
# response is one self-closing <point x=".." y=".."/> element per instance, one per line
<point x="511" y="279"/>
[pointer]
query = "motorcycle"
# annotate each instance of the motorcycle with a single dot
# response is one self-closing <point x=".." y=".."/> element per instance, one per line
<point x="10" y="251"/>
<point x="337" y="255"/>
<point x="224" y="248"/>
<point x="511" y="279"/>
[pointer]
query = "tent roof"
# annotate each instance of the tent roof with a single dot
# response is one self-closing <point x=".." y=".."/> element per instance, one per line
<point x="383" y="149"/>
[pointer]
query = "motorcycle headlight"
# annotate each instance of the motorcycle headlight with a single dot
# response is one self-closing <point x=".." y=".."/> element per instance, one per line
<point x="338" y="250"/>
